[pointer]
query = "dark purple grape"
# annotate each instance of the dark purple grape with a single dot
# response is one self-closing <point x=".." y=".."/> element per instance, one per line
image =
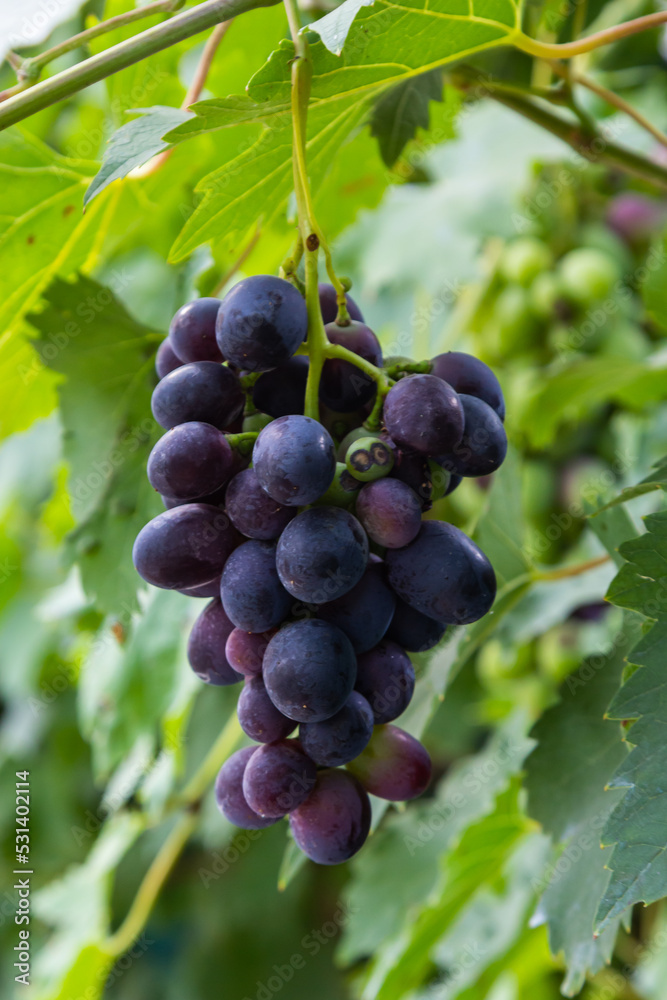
<point x="469" y="375"/>
<point x="454" y="482"/>
<point x="191" y="460"/>
<point x="184" y="547"/>
<point x="261" y="323"/>
<point x="416" y="472"/>
<point x="252" y="511"/>
<point x="206" y="646"/>
<point x="414" y="631"/>
<point x="192" y="331"/>
<point x="204" y="391"/>
<point x="278" y="778"/>
<point x="394" y="765"/>
<point x="229" y="793"/>
<point x="390" y="512"/>
<point x="364" y="613"/>
<point x="211" y="589"/>
<point x="252" y="594"/>
<point x="343" y="386"/>
<point x="329" y="306"/>
<point x="334" y="821"/>
<point x="483" y="447"/>
<point x="294" y="460"/>
<point x="322" y="554"/>
<point x="282" y="391"/>
<point x="216" y="499"/>
<point x="386" y="678"/>
<point x="166" y="359"/>
<point x="245" y="651"/>
<point x="258" y="716"/>
<point x="424" y="414"/>
<point x="443" y="574"/>
<point x="341" y="738"/>
<point x="309" y="670"/>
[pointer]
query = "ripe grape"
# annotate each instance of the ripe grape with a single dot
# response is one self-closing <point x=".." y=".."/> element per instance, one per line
<point x="216" y="499"/>
<point x="184" y="547"/>
<point x="192" y="331"/>
<point x="394" y="765"/>
<point x="415" y="471"/>
<point x="321" y="554"/>
<point x="252" y="595"/>
<point x="468" y="374"/>
<point x="364" y="613"/>
<point x="369" y="458"/>
<point x="341" y="738"/>
<point x="166" y="359"/>
<point x="334" y="821"/>
<point x="309" y="670"/>
<point x="386" y="678"/>
<point x="424" y="414"/>
<point x="189" y="461"/>
<point x="206" y="646"/>
<point x="252" y="511"/>
<point x="294" y="459"/>
<point x="343" y="386"/>
<point x="414" y="631"/>
<point x="245" y="650"/>
<point x="483" y="447"/>
<point x="443" y="574"/>
<point x="211" y="589"/>
<point x="204" y="391"/>
<point x="261" y="323"/>
<point x="329" y="305"/>
<point x="229" y="793"/>
<point x="390" y="512"/>
<point x="258" y="716"/>
<point x="283" y="390"/>
<point x="278" y="778"/>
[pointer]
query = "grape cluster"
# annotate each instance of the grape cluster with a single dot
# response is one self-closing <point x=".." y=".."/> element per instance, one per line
<point x="310" y="539"/>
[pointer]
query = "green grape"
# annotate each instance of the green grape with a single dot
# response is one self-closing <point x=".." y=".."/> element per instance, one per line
<point x="588" y="275"/>
<point x="544" y="294"/>
<point x="369" y="458"/>
<point x="440" y="479"/>
<point x="354" y="435"/>
<point x="523" y="259"/>
<point x="343" y="489"/>
<point x="256" y="421"/>
<point x="514" y="320"/>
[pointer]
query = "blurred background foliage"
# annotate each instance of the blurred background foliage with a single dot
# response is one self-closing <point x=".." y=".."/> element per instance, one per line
<point x="461" y="243"/>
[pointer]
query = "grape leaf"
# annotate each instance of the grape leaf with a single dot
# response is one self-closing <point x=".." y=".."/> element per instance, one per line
<point x="656" y="480"/>
<point x="396" y="872"/>
<point x="387" y="44"/>
<point x="133" y="144"/>
<point x="402" y="110"/>
<point x="637" y="825"/>
<point x="653" y="286"/>
<point x="86" y="335"/>
<point x="567" y="773"/>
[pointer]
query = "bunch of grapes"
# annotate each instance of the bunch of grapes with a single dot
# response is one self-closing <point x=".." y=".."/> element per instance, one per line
<point x="308" y="537"/>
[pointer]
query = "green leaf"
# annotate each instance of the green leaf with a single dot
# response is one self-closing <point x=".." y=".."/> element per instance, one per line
<point x="134" y="144"/>
<point x="656" y="480"/>
<point x="343" y="91"/>
<point x="638" y="823"/>
<point x="126" y="689"/>
<point x="477" y="860"/>
<point x="395" y="874"/>
<point x="567" y="775"/>
<point x="106" y="358"/>
<point x="654" y="286"/>
<point x="78" y="906"/>
<point x="405" y="108"/>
